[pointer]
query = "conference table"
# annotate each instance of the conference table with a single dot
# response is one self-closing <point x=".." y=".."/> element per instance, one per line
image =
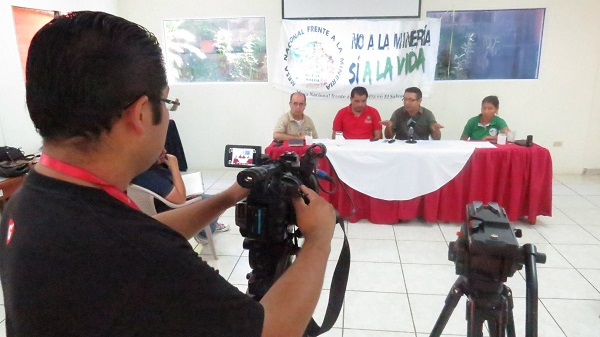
<point x="387" y="183"/>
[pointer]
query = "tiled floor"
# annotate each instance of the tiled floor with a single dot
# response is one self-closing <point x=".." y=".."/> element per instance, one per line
<point x="400" y="274"/>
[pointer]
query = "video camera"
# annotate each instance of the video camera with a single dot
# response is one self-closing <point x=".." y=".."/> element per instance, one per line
<point x="268" y="211"/>
<point x="267" y="218"/>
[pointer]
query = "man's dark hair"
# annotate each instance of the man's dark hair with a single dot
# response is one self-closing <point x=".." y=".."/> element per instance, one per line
<point x="298" y="93"/>
<point x="84" y="68"/>
<point x="360" y="91"/>
<point x="493" y="100"/>
<point x="414" y="90"/>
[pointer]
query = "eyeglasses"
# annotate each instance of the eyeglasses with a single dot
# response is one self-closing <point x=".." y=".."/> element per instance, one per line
<point x="298" y="104"/>
<point x="170" y="104"/>
<point x="408" y="99"/>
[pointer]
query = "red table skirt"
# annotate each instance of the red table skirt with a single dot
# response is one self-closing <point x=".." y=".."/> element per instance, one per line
<point x="517" y="178"/>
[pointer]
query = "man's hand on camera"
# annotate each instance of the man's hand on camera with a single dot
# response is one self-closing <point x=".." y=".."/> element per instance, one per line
<point x="237" y="192"/>
<point x="317" y="219"/>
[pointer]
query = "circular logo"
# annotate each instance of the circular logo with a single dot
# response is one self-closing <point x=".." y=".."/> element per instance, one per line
<point x="313" y="61"/>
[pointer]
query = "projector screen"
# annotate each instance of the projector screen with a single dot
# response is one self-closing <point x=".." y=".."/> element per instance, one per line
<point x="350" y="9"/>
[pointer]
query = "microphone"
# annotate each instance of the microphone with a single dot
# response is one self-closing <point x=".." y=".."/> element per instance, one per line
<point x="324" y="176"/>
<point x="411" y="135"/>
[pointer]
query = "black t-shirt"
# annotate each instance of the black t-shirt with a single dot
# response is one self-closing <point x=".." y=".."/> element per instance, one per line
<point x="78" y="262"/>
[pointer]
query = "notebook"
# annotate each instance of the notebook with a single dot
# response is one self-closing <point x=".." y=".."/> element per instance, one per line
<point x="296" y="142"/>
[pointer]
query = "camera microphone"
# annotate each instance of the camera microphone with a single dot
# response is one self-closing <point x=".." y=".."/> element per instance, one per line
<point x="324" y="176"/>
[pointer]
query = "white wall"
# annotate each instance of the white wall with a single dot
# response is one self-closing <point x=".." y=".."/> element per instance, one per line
<point x="16" y="129"/>
<point x="560" y="106"/>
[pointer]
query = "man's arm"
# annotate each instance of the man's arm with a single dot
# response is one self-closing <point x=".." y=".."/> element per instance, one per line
<point x="436" y="134"/>
<point x="281" y="127"/>
<point x="287" y="313"/>
<point x="388" y="128"/>
<point x="190" y="219"/>
<point x="338" y="124"/>
<point x="434" y="126"/>
<point x="311" y="126"/>
<point x="377" y="134"/>
<point x="285" y="136"/>
<point x="178" y="194"/>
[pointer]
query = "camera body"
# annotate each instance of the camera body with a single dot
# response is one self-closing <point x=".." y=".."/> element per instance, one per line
<point x="487" y="247"/>
<point x="267" y="214"/>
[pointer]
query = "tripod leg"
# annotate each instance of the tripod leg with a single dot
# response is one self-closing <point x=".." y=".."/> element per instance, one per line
<point x="500" y="317"/>
<point x="474" y="319"/>
<point x="451" y="301"/>
<point x="510" y="323"/>
<point x="497" y="327"/>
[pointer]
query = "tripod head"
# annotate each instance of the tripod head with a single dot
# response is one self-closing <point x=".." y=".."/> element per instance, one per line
<point x="485" y="254"/>
<point x="486" y="248"/>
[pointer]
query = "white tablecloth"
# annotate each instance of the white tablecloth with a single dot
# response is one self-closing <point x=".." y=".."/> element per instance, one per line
<point x="398" y="171"/>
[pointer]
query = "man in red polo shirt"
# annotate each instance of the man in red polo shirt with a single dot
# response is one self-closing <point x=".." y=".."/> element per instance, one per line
<point x="358" y="120"/>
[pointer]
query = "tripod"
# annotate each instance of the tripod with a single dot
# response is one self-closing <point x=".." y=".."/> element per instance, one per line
<point x="268" y="262"/>
<point x="493" y="305"/>
<point x="491" y="301"/>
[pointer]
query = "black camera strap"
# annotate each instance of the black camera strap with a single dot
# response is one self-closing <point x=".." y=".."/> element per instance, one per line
<point x="337" y="290"/>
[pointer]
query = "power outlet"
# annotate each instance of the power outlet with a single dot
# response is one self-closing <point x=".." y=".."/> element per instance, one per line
<point x="557" y="144"/>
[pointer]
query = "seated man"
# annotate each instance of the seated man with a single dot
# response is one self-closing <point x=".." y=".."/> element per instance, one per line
<point x="295" y="124"/>
<point x="412" y="114"/>
<point x="358" y="120"/>
<point x="164" y="179"/>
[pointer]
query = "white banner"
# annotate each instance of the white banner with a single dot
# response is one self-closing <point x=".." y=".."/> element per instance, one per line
<point x="327" y="58"/>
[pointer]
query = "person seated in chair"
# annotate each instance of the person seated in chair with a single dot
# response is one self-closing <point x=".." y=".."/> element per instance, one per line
<point x="164" y="179"/>
<point x="295" y="124"/>
<point x="487" y="125"/>
<point x="357" y="120"/>
<point x="412" y="114"/>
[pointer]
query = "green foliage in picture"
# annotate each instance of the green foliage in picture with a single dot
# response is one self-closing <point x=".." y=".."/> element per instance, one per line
<point x="216" y="50"/>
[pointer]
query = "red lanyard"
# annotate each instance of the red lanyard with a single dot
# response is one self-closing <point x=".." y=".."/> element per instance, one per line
<point x="79" y="173"/>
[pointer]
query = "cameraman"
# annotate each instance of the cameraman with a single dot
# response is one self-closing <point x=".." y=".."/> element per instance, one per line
<point x="77" y="258"/>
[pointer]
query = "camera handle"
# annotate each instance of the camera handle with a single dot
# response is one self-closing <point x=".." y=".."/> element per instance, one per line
<point x="337" y="290"/>
<point x="531" y="312"/>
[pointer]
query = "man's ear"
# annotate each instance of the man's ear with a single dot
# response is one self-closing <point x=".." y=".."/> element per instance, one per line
<point x="137" y="114"/>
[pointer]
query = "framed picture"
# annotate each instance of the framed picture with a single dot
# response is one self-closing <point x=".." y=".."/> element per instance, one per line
<point x="489" y="44"/>
<point x="216" y="50"/>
